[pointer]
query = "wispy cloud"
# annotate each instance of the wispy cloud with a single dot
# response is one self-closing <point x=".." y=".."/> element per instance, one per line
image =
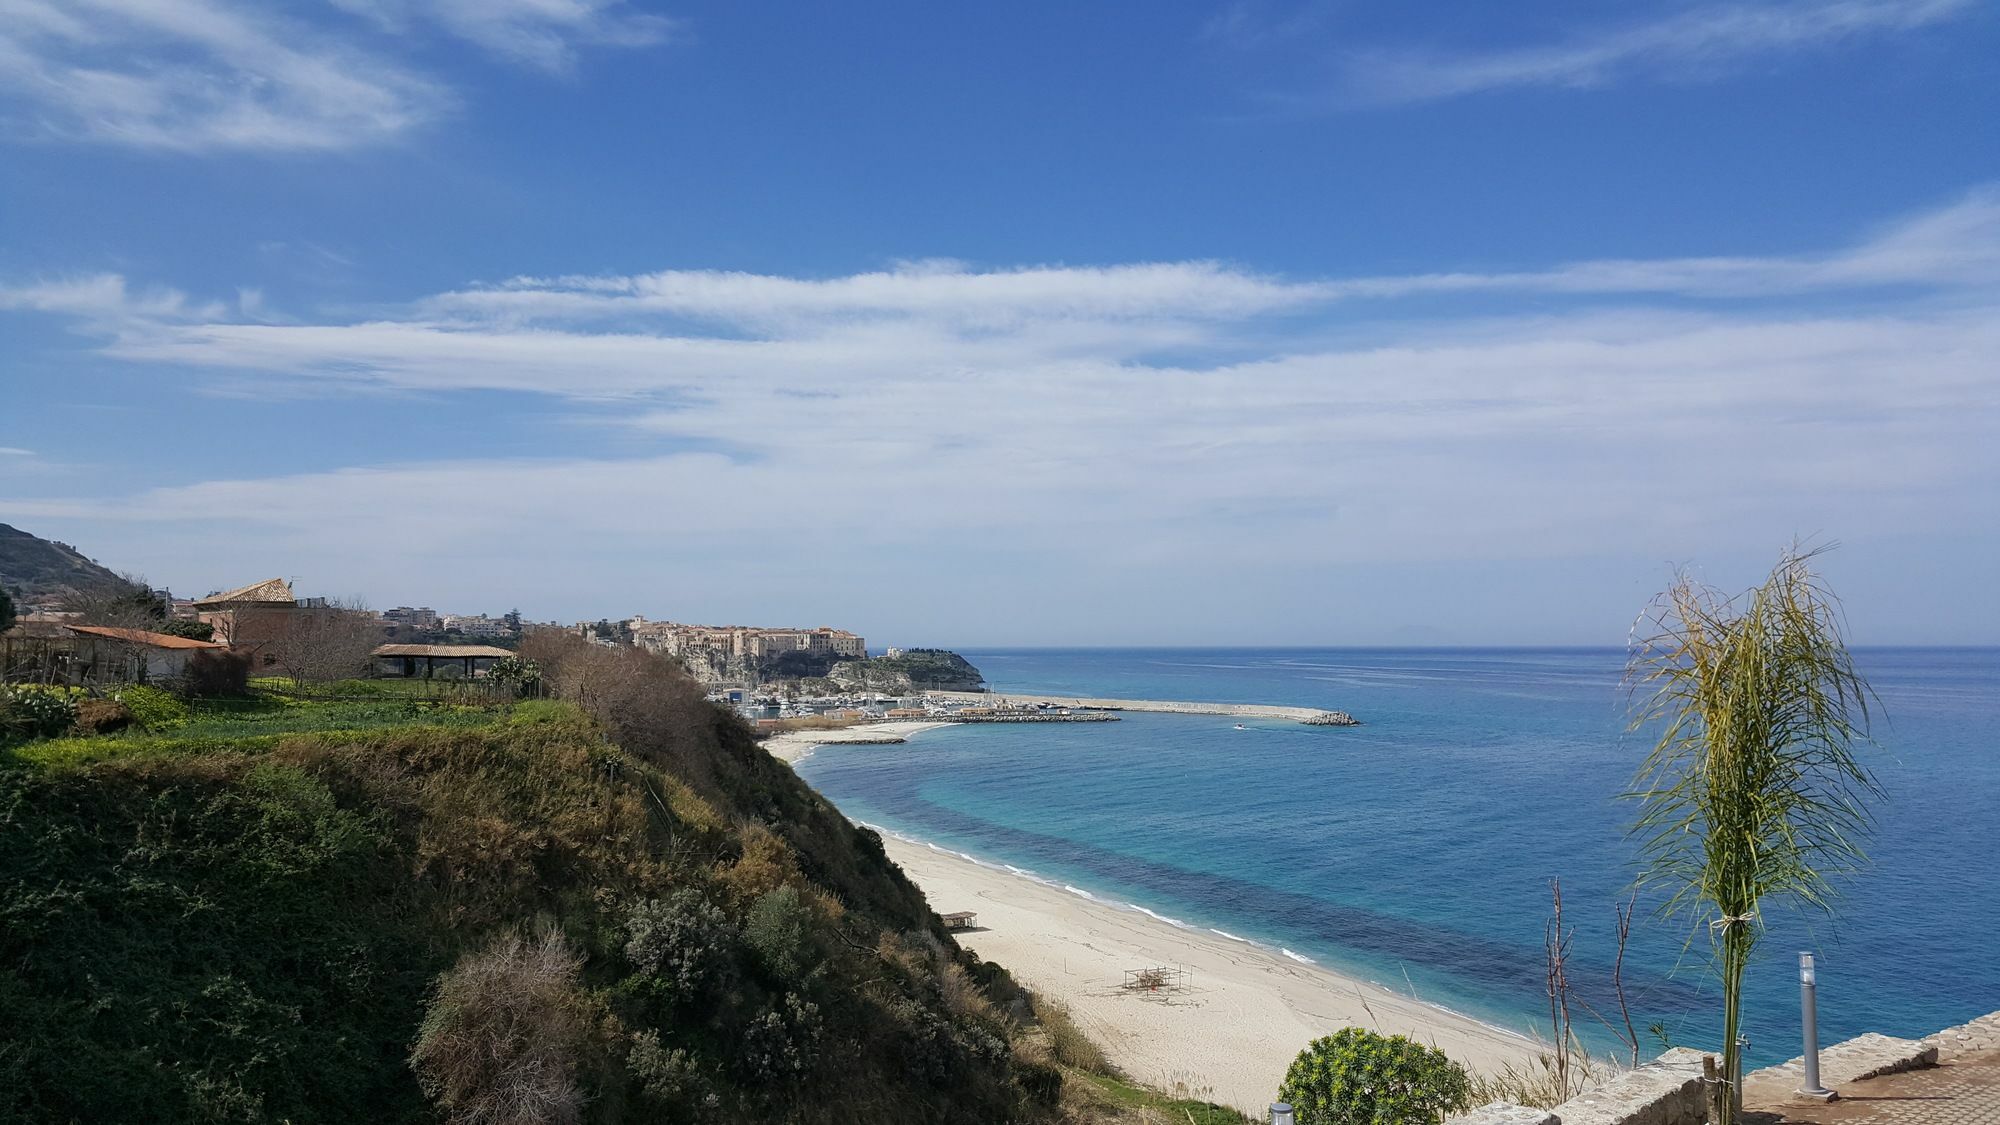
<point x="1952" y="246"/>
<point x="203" y="75"/>
<point x="541" y="33"/>
<point x="105" y="302"/>
<point x="1699" y="42"/>
<point x="199" y="74"/>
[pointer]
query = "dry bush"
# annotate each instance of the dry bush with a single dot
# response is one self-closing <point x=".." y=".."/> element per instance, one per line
<point x="210" y="674"/>
<point x="766" y="864"/>
<point x="1545" y="1083"/>
<point x="102" y="716"/>
<point x="1067" y="1042"/>
<point x="504" y="1035"/>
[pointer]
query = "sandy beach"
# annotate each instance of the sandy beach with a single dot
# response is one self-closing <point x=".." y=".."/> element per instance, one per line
<point x="1229" y="1035"/>
<point x="795" y="745"/>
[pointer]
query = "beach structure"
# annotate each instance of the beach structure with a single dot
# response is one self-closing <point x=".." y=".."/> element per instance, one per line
<point x="1159" y="978"/>
<point x="959" y="920"/>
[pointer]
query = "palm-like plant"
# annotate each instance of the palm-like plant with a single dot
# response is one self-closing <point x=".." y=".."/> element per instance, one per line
<point x="1753" y="790"/>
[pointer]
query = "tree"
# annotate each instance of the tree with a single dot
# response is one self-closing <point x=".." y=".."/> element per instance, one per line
<point x="190" y="628"/>
<point x="130" y="604"/>
<point x="329" y="642"/>
<point x="1752" y="790"/>
<point x="1356" y="1077"/>
<point x="6" y="610"/>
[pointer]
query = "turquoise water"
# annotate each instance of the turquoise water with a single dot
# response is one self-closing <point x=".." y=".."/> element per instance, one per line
<point x="1416" y="850"/>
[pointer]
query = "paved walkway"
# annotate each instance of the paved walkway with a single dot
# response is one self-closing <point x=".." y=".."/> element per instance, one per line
<point x="1963" y="1089"/>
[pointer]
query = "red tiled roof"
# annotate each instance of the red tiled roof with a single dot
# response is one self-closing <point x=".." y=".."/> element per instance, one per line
<point x="141" y="637"/>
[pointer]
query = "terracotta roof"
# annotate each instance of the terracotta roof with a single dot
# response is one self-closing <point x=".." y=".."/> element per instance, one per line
<point x="268" y="591"/>
<point x="141" y="637"/>
<point x="442" y="651"/>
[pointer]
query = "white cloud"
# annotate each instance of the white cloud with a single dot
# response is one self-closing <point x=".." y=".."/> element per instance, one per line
<point x="541" y="33"/>
<point x="104" y="301"/>
<point x="1693" y="43"/>
<point x="204" y="75"/>
<point x="1184" y="418"/>
<point x="197" y="75"/>
<point x="1956" y="245"/>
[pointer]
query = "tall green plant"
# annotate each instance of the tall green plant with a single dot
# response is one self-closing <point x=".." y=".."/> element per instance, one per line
<point x="1753" y="790"/>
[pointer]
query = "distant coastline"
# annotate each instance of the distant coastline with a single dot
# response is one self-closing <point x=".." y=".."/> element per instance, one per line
<point x="1312" y="716"/>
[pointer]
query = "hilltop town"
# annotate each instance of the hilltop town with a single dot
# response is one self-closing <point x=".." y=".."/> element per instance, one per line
<point x="77" y="622"/>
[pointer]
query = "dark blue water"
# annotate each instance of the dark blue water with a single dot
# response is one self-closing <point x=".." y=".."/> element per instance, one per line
<point x="1416" y="850"/>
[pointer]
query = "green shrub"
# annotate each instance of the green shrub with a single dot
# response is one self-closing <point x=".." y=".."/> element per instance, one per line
<point x="782" y="1044"/>
<point x="28" y="714"/>
<point x="778" y="930"/>
<point x="1356" y="1077"/>
<point x="673" y="1078"/>
<point x="682" y="946"/>
<point x="153" y="709"/>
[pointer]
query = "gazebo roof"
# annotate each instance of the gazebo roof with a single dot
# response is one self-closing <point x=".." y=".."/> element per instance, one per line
<point x="444" y="652"/>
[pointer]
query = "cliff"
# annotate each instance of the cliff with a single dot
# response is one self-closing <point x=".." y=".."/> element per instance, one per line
<point x="910" y="670"/>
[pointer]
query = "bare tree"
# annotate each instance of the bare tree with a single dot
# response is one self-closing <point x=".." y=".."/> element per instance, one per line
<point x="130" y="604"/>
<point x="328" y="642"/>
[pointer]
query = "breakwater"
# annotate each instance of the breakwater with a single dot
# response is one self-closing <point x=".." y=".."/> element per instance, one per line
<point x="1308" y="715"/>
<point x="1037" y="717"/>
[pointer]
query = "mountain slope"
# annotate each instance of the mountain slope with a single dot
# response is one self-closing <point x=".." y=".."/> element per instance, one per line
<point x="34" y="569"/>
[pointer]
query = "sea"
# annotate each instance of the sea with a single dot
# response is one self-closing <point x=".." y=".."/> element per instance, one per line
<point x="1418" y="849"/>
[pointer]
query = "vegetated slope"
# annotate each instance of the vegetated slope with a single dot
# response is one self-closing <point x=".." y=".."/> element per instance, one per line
<point x="33" y="568"/>
<point x="615" y="909"/>
<point x="914" y="669"/>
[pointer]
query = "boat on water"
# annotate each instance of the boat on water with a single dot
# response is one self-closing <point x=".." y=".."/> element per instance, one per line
<point x="1240" y="726"/>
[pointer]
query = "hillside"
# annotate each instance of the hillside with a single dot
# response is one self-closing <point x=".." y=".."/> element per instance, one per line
<point x="910" y="670"/>
<point x="33" y="568"/>
<point x="612" y="907"/>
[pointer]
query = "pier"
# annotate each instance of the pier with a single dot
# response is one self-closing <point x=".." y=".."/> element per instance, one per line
<point x="1307" y="715"/>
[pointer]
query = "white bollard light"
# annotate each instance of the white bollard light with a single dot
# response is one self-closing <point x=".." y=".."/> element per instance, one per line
<point x="1281" y="1114"/>
<point x="1809" y="1025"/>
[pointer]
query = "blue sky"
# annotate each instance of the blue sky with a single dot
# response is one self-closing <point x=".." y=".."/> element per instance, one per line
<point x="1193" y="323"/>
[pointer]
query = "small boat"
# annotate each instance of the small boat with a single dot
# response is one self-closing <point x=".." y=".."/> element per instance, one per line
<point x="1240" y="726"/>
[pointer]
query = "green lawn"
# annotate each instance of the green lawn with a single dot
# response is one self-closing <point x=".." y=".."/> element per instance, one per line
<point x="254" y="724"/>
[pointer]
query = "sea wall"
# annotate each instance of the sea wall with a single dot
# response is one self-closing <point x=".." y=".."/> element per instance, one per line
<point x="1309" y="715"/>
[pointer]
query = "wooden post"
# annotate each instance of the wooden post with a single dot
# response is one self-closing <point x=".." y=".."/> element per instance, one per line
<point x="1712" y="1088"/>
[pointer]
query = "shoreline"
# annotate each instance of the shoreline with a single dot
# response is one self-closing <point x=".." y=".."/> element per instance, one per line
<point x="1230" y="1034"/>
<point x="795" y="746"/>
<point x="1249" y="1006"/>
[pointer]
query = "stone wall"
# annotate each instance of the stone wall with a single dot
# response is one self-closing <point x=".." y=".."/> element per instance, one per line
<point x="1667" y="1091"/>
